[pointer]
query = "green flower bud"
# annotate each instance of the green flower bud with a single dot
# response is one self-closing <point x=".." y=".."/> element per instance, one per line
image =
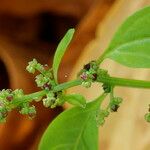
<point x="41" y="80"/>
<point x="86" y="84"/>
<point x="103" y="113"/>
<point x="37" y="99"/>
<point x="32" y="112"/>
<point x="18" y="93"/>
<point x="100" y="122"/>
<point x="30" y="69"/>
<point x="48" y="74"/>
<point x="100" y="116"/>
<point x="115" y="104"/>
<point x="3" y="114"/>
<point x="39" y="67"/>
<point x="94" y="65"/>
<point x="4" y="93"/>
<point x="31" y="66"/>
<point x="28" y="111"/>
<point x="50" y="100"/>
<point x="47" y="102"/>
<point x="24" y="111"/>
<point x="147" y="117"/>
<point x="55" y="102"/>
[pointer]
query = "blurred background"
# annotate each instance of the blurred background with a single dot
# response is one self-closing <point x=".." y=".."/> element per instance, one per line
<point x="32" y="29"/>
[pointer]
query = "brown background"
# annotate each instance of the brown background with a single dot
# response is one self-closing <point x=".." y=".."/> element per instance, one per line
<point x="32" y="29"/>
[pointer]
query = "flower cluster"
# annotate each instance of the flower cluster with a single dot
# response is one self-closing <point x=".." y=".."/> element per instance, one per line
<point x="115" y="104"/>
<point x="28" y="110"/>
<point x="45" y="79"/>
<point x="147" y="115"/>
<point x="53" y="99"/>
<point x="10" y="100"/>
<point x="91" y="73"/>
<point x="88" y="74"/>
<point x="33" y="66"/>
<point x="101" y="116"/>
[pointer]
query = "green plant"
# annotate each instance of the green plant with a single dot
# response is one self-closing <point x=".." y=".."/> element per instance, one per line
<point x="77" y="128"/>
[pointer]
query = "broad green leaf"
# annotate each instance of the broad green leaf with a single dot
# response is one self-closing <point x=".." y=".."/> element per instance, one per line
<point x="76" y="99"/>
<point x="74" y="129"/>
<point x="131" y="44"/>
<point x="62" y="46"/>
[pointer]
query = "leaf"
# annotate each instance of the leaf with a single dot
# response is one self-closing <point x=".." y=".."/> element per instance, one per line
<point x="131" y="44"/>
<point x="75" y="99"/>
<point x="74" y="129"/>
<point x="62" y="46"/>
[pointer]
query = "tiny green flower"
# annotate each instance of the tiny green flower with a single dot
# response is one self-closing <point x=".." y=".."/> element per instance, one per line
<point x="100" y="122"/>
<point x="4" y="93"/>
<point x="41" y="80"/>
<point x="147" y="117"/>
<point x="47" y="102"/>
<point x="3" y="114"/>
<point x="102" y="73"/>
<point x="37" y="99"/>
<point x="86" y="84"/>
<point x="24" y="111"/>
<point x="27" y="110"/>
<point x="100" y="116"/>
<point x="32" y="112"/>
<point x="18" y="93"/>
<point x="32" y="66"/>
<point x="115" y="103"/>
<point x="39" y="67"/>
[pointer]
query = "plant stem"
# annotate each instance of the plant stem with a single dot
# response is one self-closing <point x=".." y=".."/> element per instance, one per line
<point x="125" y="82"/>
<point x="59" y="87"/>
<point x="114" y="81"/>
<point x="67" y="85"/>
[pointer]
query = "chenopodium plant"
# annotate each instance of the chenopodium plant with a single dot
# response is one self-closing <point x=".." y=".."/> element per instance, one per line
<point x="77" y="127"/>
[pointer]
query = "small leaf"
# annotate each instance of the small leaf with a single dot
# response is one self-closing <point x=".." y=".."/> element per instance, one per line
<point x="62" y="46"/>
<point x="131" y="44"/>
<point x="74" y="129"/>
<point x="75" y="99"/>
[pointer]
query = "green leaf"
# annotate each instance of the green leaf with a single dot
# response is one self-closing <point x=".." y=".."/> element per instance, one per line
<point x="62" y="46"/>
<point x="131" y="44"/>
<point x="75" y="99"/>
<point x="74" y="129"/>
